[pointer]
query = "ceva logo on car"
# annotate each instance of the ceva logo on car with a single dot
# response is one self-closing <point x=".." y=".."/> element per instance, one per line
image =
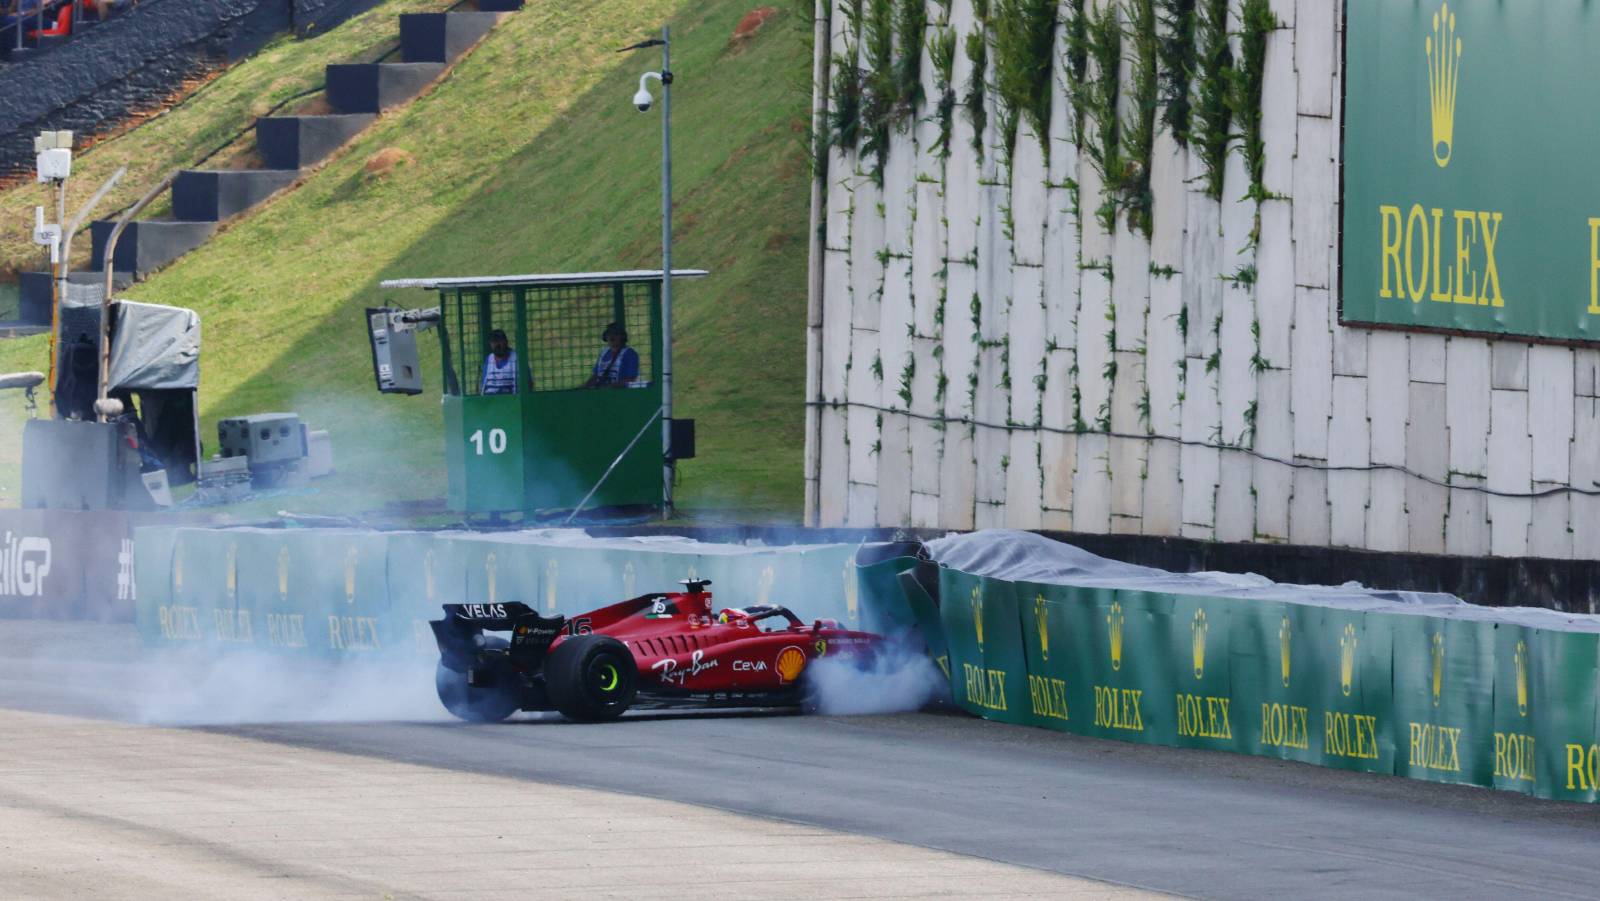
<point x="24" y="564"/>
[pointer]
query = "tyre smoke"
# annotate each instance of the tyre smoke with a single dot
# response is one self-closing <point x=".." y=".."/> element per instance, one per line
<point x="899" y="679"/>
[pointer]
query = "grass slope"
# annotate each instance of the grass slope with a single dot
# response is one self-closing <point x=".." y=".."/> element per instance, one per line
<point x="530" y="158"/>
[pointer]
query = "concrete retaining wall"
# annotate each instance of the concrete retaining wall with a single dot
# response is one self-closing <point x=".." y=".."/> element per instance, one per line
<point x="988" y="357"/>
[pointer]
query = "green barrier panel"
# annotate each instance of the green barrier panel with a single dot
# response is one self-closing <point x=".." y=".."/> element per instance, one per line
<point x="1122" y="671"/>
<point x="422" y="576"/>
<point x="1443" y="697"/>
<point x="1274" y="686"/>
<point x="1567" y="752"/>
<point x="152" y="573"/>
<point x="1054" y="697"/>
<point x="988" y="669"/>
<point x="498" y="572"/>
<point x="340" y="581"/>
<point x="925" y="612"/>
<point x="1350" y="668"/>
<point x="270" y="586"/>
<point x="204" y="588"/>
<point x="1199" y="647"/>
<point x="883" y="605"/>
<point x="1515" y="761"/>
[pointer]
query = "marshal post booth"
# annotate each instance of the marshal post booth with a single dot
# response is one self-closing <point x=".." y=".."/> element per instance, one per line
<point x="542" y="409"/>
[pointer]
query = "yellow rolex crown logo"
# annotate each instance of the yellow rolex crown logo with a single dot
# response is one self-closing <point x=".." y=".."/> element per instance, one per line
<point x="768" y="578"/>
<point x="977" y="614"/>
<point x="1443" y="50"/>
<point x="1114" y="622"/>
<point x="1042" y="623"/>
<point x="350" y="557"/>
<point x="1438" y="666"/>
<point x="177" y="566"/>
<point x="630" y="578"/>
<point x="428" y="581"/>
<point x="1521" y="660"/>
<point x="233" y="570"/>
<point x="1197" y="630"/>
<point x="1283" y="649"/>
<point x="1347" y="659"/>
<point x="283" y="573"/>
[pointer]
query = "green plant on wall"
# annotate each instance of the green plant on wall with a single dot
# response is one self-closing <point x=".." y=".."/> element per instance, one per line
<point x="977" y="47"/>
<point x="911" y="26"/>
<point x="846" y="92"/>
<point x="1245" y="88"/>
<point x="942" y="54"/>
<point x="881" y="95"/>
<point x="1097" y="99"/>
<point x="1139" y="132"/>
<point x="907" y="374"/>
<point x="1075" y="53"/>
<point x="1212" y="113"/>
<point x="1178" y="55"/>
<point x="1024" y="47"/>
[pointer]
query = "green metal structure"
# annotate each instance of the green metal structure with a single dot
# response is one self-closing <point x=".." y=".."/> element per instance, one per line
<point x="549" y="444"/>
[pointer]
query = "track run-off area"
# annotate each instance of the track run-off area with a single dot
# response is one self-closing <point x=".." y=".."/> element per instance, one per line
<point x="353" y="783"/>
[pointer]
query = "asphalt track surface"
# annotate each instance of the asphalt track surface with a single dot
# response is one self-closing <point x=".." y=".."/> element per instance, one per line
<point x="1193" y="823"/>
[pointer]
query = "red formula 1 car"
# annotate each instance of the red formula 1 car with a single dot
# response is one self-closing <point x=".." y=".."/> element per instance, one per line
<point x="655" y="651"/>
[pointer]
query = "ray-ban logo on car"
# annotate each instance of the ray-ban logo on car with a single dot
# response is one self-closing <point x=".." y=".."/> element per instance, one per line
<point x="24" y="564"/>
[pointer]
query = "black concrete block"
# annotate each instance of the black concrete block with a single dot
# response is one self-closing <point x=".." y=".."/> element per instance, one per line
<point x="442" y="37"/>
<point x="295" y="142"/>
<point x="37" y="293"/>
<point x="149" y="244"/>
<point x="374" y="87"/>
<point x="499" y="6"/>
<point x="214" y="195"/>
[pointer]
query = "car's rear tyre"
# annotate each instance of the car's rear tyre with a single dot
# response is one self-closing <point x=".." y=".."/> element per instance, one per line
<point x="591" y="677"/>
<point x="491" y="702"/>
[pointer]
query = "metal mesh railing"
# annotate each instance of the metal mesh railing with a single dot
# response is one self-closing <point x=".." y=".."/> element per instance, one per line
<point x="561" y="331"/>
<point x="566" y="325"/>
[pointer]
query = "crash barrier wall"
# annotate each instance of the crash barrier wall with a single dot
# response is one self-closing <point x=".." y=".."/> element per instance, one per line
<point x="65" y="564"/>
<point x="343" y="593"/>
<point x="1483" y="703"/>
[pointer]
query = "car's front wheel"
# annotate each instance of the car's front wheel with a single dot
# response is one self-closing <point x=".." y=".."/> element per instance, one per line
<point x="591" y="677"/>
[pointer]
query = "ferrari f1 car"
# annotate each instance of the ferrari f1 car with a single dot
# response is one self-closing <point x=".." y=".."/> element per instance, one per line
<point x="653" y="651"/>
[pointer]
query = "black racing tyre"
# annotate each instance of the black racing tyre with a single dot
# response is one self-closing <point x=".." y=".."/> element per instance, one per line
<point x="488" y="703"/>
<point x="591" y="678"/>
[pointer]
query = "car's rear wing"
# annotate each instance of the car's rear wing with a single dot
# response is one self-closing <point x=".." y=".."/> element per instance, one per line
<point x="459" y="633"/>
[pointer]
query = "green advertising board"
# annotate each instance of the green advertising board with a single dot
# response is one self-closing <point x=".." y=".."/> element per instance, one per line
<point x="1469" y="138"/>
<point x="988" y="666"/>
<point x="1444" y="676"/>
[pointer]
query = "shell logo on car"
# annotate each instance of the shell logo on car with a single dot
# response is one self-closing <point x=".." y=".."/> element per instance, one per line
<point x="791" y="661"/>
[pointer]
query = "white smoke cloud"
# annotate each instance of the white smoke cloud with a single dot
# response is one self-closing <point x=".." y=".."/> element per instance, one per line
<point x="898" y="680"/>
<point x="236" y="687"/>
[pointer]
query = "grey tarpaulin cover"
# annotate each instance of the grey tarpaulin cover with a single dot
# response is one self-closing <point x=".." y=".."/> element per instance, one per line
<point x="1026" y="557"/>
<point x="155" y="348"/>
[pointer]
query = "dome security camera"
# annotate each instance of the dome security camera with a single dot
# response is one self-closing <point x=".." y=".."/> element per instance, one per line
<point x="642" y="100"/>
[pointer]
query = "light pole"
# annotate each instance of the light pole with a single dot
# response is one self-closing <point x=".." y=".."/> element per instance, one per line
<point x="642" y="100"/>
